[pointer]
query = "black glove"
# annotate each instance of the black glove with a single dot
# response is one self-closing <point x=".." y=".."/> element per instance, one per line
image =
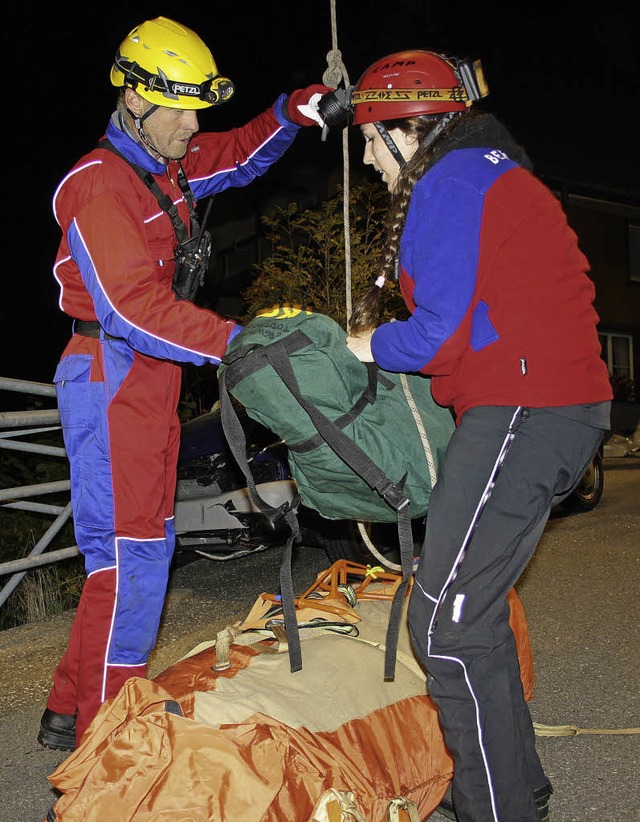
<point x="302" y="105"/>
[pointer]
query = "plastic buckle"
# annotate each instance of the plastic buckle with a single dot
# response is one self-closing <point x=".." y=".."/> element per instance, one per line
<point x="395" y="496"/>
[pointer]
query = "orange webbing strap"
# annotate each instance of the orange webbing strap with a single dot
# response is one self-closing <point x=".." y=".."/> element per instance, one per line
<point x="365" y="581"/>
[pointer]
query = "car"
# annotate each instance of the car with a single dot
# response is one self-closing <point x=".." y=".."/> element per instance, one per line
<point x="587" y="494"/>
<point x="216" y="515"/>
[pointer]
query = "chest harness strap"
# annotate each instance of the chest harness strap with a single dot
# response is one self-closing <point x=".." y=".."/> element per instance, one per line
<point x="193" y="250"/>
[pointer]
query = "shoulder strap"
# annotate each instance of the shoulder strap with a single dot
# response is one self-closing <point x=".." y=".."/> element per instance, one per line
<point x="343" y="445"/>
<point x="235" y="436"/>
<point x="164" y="201"/>
<point x="375" y="477"/>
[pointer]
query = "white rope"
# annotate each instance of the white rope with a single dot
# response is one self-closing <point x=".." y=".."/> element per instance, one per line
<point x="426" y="445"/>
<point x="421" y="429"/>
<point x="392" y="566"/>
<point x="334" y="74"/>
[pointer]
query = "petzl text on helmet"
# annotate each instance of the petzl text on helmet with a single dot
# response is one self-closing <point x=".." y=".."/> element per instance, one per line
<point x="214" y="90"/>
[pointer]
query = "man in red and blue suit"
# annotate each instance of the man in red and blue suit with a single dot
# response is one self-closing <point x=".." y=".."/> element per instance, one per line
<point x="121" y="209"/>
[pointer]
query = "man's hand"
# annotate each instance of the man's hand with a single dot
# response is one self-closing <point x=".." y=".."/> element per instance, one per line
<point x="361" y="346"/>
<point x="302" y="105"/>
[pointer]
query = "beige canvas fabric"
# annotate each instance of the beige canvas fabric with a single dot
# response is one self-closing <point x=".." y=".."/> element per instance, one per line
<point x="341" y="679"/>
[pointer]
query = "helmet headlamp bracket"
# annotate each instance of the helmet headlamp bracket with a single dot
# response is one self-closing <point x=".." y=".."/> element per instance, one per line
<point x="214" y="90"/>
<point x="472" y="76"/>
<point x="335" y="107"/>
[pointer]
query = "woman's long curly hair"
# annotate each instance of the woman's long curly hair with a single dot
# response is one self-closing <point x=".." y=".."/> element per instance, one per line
<point x="366" y="310"/>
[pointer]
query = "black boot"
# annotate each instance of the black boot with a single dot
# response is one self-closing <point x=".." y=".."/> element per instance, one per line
<point x="541" y="795"/>
<point x="57" y="731"/>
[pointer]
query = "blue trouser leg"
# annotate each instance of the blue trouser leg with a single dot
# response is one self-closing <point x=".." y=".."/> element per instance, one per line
<point x="122" y="436"/>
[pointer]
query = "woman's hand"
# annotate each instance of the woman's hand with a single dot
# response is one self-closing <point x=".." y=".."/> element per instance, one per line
<point x="360" y="345"/>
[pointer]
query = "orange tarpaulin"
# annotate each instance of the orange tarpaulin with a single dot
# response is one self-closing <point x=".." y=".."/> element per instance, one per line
<point x="378" y="741"/>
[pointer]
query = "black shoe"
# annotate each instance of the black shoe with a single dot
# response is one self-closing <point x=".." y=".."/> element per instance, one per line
<point x="51" y="815"/>
<point x="541" y="796"/>
<point x="57" y="731"/>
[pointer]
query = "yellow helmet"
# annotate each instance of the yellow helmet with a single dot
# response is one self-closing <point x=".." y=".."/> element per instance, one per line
<point x="169" y="65"/>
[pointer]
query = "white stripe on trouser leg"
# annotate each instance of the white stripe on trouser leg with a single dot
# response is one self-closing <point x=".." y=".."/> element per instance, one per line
<point x="457" y="607"/>
<point x="486" y="494"/>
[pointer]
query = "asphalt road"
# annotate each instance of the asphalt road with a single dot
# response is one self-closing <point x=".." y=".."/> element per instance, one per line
<point x="580" y="594"/>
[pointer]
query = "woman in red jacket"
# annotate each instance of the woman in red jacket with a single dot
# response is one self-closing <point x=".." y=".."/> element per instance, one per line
<point x="502" y="320"/>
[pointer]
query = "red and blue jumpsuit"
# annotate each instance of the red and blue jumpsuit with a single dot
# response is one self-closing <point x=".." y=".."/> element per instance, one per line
<point x="502" y="320"/>
<point x="118" y="394"/>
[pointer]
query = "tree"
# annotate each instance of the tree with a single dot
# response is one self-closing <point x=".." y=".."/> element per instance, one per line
<point x="307" y="263"/>
<point x="306" y="267"/>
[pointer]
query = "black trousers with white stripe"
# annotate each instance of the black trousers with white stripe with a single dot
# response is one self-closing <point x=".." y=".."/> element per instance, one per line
<point x="486" y="515"/>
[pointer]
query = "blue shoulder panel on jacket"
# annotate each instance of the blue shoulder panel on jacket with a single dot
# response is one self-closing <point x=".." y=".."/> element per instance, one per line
<point x="134" y="152"/>
<point x="440" y="252"/>
<point x="475" y="167"/>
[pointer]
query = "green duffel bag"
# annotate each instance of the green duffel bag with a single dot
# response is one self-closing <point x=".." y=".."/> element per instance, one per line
<point x="361" y="441"/>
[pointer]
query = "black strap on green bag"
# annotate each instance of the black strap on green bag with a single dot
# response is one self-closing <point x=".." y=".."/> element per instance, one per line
<point x="235" y="436"/>
<point x="276" y="355"/>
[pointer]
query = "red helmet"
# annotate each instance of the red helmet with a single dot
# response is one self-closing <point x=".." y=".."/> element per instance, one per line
<point x="410" y="83"/>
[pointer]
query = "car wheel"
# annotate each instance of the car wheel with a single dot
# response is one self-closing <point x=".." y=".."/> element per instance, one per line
<point x="589" y="490"/>
<point x="336" y="538"/>
<point x="344" y="539"/>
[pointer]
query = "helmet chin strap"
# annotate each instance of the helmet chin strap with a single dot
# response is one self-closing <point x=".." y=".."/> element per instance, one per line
<point x="138" y="124"/>
<point x="393" y="148"/>
<point x="437" y="130"/>
<point x="428" y="140"/>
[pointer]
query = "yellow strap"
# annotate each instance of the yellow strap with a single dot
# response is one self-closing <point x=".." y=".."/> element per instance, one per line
<point x="232" y="636"/>
<point x="337" y="806"/>
<point x="572" y="730"/>
<point x="398" y="95"/>
<point x="402" y="809"/>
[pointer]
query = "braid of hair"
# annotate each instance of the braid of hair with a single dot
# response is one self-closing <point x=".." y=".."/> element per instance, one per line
<point x="366" y="312"/>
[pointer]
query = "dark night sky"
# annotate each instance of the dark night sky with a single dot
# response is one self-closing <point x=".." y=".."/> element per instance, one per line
<point x="564" y="77"/>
